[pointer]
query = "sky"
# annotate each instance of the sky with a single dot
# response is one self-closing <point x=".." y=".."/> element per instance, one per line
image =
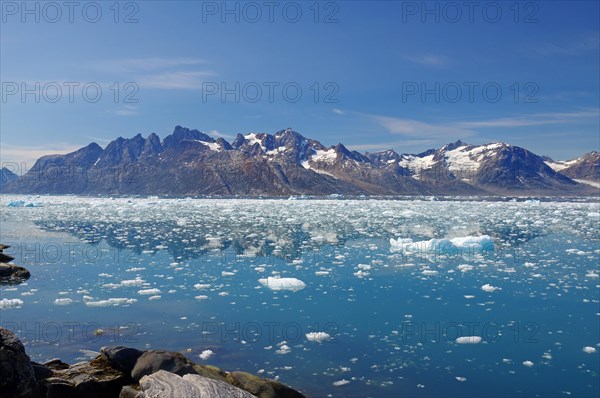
<point x="373" y="75"/>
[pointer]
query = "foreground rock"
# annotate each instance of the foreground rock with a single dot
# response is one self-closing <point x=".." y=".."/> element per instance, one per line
<point x="17" y="378"/>
<point x="11" y="274"/>
<point x="163" y="384"/>
<point x="125" y="373"/>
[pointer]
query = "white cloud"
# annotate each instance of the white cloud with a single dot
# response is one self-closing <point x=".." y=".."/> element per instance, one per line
<point x="145" y="64"/>
<point x="337" y="111"/>
<point x="127" y="110"/>
<point x="416" y="128"/>
<point x="428" y="59"/>
<point x="577" y="46"/>
<point x="538" y="119"/>
<point x="173" y="80"/>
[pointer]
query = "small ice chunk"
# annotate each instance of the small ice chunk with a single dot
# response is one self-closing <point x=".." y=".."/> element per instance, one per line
<point x="10" y="303"/>
<point x="589" y="350"/>
<point x="342" y="382"/>
<point x="111" y="302"/>
<point x="206" y="354"/>
<point x="489" y="288"/>
<point x="459" y="378"/>
<point x="528" y="363"/>
<point x="201" y="297"/>
<point x="201" y="286"/>
<point x="63" y="301"/>
<point x="469" y="340"/>
<point x="275" y="283"/>
<point x="148" y="292"/>
<point x="319" y="337"/>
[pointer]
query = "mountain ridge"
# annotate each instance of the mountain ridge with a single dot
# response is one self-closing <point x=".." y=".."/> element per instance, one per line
<point x="190" y="162"/>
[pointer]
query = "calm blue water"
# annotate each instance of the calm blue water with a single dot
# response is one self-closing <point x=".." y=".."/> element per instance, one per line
<point x="186" y="273"/>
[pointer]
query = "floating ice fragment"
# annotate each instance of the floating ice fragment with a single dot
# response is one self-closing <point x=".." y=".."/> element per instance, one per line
<point x="319" y="337"/>
<point x="283" y="349"/>
<point x="63" y="301"/>
<point x="111" y="302"/>
<point x="589" y="350"/>
<point x="459" y="378"/>
<point x="466" y="244"/>
<point x="342" y="382"/>
<point x="200" y="286"/>
<point x="275" y="283"/>
<point x="528" y="363"/>
<point x="148" y="292"/>
<point x="201" y="297"/>
<point x="10" y="303"/>
<point x="489" y="288"/>
<point x="469" y="340"/>
<point x="206" y="354"/>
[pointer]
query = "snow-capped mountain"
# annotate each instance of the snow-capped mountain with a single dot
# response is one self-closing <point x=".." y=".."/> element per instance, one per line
<point x="585" y="168"/>
<point x="189" y="162"/>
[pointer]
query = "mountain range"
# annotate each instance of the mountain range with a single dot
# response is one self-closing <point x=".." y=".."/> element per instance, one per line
<point x="189" y="162"/>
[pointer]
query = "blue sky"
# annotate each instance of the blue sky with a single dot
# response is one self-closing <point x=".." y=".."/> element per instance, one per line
<point x="373" y="75"/>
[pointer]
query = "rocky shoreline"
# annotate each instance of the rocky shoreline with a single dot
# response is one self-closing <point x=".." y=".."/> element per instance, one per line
<point x="11" y="274"/>
<point x="123" y="372"/>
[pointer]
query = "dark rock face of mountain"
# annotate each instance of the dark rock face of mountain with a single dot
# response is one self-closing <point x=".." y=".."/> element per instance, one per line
<point x="189" y="162"/>
<point x="7" y="176"/>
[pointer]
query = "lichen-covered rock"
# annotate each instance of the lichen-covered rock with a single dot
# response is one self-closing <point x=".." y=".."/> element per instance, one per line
<point x="163" y="384"/>
<point x="121" y="358"/>
<point x="154" y="360"/>
<point x="17" y="377"/>
<point x="262" y="388"/>
<point x="95" y="379"/>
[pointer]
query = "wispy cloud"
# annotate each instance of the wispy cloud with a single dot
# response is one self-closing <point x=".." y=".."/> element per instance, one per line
<point x="538" y="119"/>
<point x="145" y="64"/>
<point x="174" y="80"/>
<point x="581" y="45"/>
<point x="428" y="60"/>
<point x="337" y="111"/>
<point x="416" y="128"/>
<point x="127" y="110"/>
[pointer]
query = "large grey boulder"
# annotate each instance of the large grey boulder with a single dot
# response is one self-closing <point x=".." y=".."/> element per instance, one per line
<point x="154" y="360"/>
<point x="121" y="358"/>
<point x="163" y="384"/>
<point x="17" y="377"/>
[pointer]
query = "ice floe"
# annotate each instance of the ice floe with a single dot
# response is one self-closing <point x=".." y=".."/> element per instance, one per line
<point x="10" y="303"/>
<point x="319" y="337"/>
<point x="469" y="340"/>
<point x="275" y="283"/>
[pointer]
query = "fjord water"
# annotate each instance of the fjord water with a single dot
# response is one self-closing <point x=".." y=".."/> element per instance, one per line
<point x="183" y="274"/>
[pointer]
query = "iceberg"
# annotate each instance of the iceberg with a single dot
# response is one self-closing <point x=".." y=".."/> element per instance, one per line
<point x="469" y="340"/>
<point x="10" y="303"/>
<point x="275" y="283"/>
<point x="489" y="288"/>
<point x="111" y="302"/>
<point x="465" y="244"/>
<point x="319" y="337"/>
<point x="206" y="354"/>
